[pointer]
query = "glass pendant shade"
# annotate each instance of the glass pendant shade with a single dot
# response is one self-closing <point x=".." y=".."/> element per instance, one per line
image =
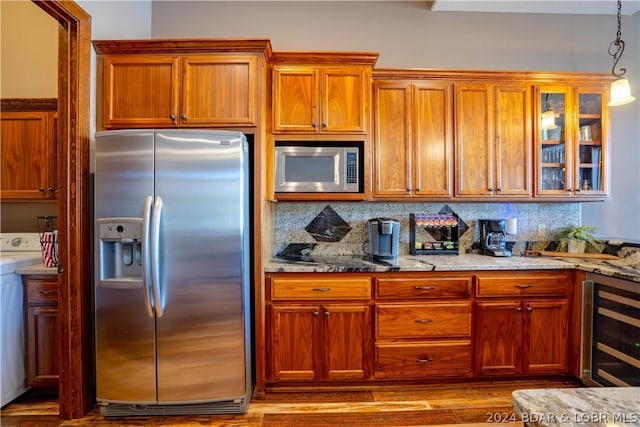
<point x="620" y="93"/>
<point x="548" y="120"/>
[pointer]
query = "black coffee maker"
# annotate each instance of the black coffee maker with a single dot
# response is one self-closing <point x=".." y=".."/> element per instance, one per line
<point x="493" y="235"/>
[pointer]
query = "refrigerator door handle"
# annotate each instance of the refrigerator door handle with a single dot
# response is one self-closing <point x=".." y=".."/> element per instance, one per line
<point x="155" y="251"/>
<point x="146" y="282"/>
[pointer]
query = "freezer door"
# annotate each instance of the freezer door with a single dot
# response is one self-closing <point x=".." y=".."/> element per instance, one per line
<point x="125" y="333"/>
<point x="201" y="341"/>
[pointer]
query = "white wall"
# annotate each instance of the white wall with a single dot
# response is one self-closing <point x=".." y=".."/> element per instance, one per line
<point x="409" y="35"/>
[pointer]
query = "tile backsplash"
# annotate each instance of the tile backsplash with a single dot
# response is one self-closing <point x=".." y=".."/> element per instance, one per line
<point x="341" y="228"/>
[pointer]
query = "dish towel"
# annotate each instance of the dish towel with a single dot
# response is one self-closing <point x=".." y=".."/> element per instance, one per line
<point x="49" y="243"/>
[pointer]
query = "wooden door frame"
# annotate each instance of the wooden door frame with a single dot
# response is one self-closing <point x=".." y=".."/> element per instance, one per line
<point x="72" y="193"/>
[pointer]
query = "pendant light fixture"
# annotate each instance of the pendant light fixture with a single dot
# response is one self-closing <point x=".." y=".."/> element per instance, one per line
<point x="620" y="90"/>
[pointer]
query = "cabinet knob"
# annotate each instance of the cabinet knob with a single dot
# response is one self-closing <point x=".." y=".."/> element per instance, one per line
<point x="529" y="308"/>
<point x="499" y="189"/>
<point x="316" y="314"/>
<point x="418" y="189"/>
<point x="327" y="314"/>
<point x="324" y="124"/>
<point x="183" y="116"/>
<point x="173" y="117"/>
<point x="578" y="190"/>
<point x="490" y="189"/>
<point x="408" y="189"/>
<point x="569" y="190"/>
<point x="314" y="124"/>
<point x="41" y="189"/>
<point x="519" y="309"/>
<point x="51" y="189"/>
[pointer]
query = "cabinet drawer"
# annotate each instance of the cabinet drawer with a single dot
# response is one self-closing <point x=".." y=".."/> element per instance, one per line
<point x="432" y="320"/>
<point x="423" y="288"/>
<point x="421" y="360"/>
<point x="519" y="285"/>
<point x="320" y="289"/>
<point x="42" y="291"/>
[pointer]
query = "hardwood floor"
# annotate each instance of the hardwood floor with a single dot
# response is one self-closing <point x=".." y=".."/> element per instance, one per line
<point x="476" y="404"/>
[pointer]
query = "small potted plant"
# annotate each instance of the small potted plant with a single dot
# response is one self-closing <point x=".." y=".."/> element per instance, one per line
<point x="576" y="238"/>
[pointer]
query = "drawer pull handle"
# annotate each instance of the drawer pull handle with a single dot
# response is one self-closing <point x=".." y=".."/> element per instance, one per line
<point x="423" y="360"/>
<point x="48" y="292"/>
<point x="523" y="286"/>
<point x="425" y="288"/>
<point x="423" y="320"/>
<point x="321" y="289"/>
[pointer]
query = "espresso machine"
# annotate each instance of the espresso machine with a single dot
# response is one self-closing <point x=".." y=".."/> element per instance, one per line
<point x="384" y="238"/>
<point x="493" y="233"/>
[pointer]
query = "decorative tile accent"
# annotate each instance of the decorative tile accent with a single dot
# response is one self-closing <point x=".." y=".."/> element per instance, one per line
<point x="296" y="250"/>
<point x="440" y="234"/>
<point x="328" y="226"/>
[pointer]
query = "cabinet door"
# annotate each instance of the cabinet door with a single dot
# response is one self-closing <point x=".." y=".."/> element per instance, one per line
<point x="218" y="90"/>
<point x="295" y="343"/>
<point x="546" y="336"/>
<point x="591" y="172"/>
<point x="433" y="139"/>
<point x="513" y="144"/>
<point x="140" y="91"/>
<point x="27" y="150"/>
<point x="498" y="337"/>
<point x="474" y="140"/>
<point x="554" y="174"/>
<point x="392" y="139"/>
<point x="343" y="94"/>
<point x="295" y="99"/>
<point x="347" y="341"/>
<point x="42" y="347"/>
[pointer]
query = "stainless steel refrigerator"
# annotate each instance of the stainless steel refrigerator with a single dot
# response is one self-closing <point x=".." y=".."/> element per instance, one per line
<point x="172" y="298"/>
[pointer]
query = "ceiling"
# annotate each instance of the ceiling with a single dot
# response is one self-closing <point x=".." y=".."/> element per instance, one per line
<point x="577" y="7"/>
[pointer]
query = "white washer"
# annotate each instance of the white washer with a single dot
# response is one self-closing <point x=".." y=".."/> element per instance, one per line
<point x="16" y="250"/>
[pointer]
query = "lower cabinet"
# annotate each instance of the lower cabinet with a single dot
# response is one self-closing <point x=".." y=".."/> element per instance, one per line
<point x="41" y="308"/>
<point x="326" y="339"/>
<point x="521" y="324"/>
<point x="423" y="326"/>
<point x="360" y="328"/>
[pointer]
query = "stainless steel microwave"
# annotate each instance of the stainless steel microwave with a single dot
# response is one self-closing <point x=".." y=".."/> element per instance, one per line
<point x="314" y="169"/>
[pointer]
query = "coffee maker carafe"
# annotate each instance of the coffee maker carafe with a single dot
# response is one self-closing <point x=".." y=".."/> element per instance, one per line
<point x="493" y="237"/>
<point x="384" y="238"/>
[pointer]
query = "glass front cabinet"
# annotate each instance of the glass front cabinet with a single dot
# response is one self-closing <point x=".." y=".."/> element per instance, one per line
<point x="572" y="141"/>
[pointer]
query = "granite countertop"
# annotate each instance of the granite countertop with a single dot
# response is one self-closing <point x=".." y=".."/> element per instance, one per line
<point x="464" y="262"/>
<point x="37" y="268"/>
<point x="593" y="406"/>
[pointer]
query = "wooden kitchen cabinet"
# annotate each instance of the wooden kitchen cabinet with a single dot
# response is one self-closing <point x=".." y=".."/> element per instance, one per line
<point x="493" y="140"/>
<point x="28" y="149"/>
<point x="321" y="99"/>
<point x="41" y="308"/>
<point x="423" y="326"/>
<point x="572" y="157"/>
<point x="319" y="328"/>
<point x="522" y="323"/>
<point x="413" y="139"/>
<point x="179" y="83"/>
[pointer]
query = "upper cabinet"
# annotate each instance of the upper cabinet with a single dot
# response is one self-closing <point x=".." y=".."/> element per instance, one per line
<point x="321" y="93"/>
<point x="413" y="139"/>
<point x="572" y="141"/>
<point x="493" y="140"/>
<point x="181" y="83"/>
<point x="28" y="149"/>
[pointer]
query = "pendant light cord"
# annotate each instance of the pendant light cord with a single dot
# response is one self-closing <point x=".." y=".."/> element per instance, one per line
<point x="616" y="48"/>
